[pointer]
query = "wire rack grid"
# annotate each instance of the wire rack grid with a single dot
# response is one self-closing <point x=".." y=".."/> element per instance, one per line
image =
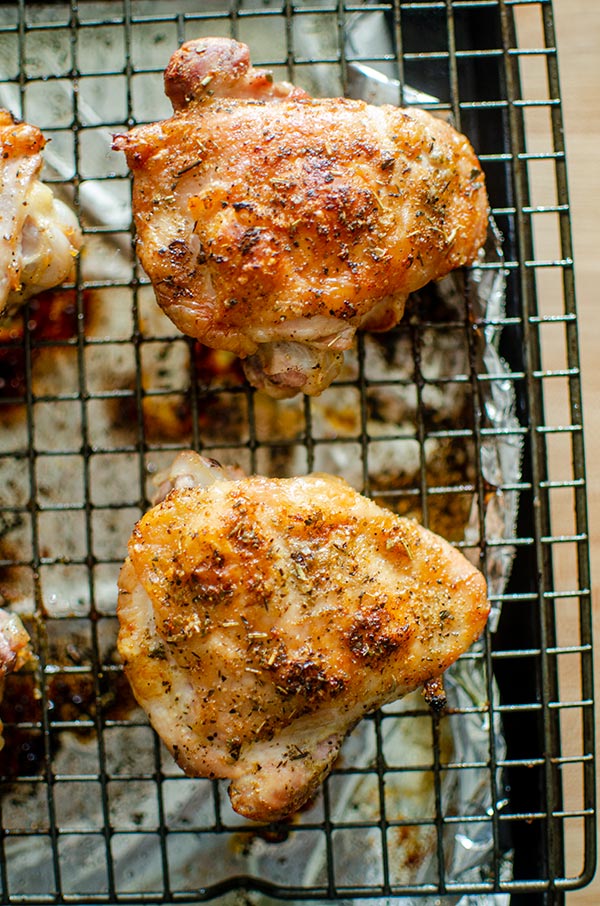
<point x="98" y="392"/>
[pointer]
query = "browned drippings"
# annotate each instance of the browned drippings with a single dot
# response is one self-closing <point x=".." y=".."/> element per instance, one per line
<point x="167" y="418"/>
<point x="51" y="316"/>
<point x="12" y="359"/>
<point x="412" y="844"/>
<point x="70" y="697"/>
<point x="216" y="367"/>
<point x="241" y="843"/>
<point x="448" y="511"/>
<point x="23" y="751"/>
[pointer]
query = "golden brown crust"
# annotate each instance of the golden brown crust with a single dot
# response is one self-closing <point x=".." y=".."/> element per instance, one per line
<point x="251" y="216"/>
<point x="19" y="139"/>
<point x="274" y="225"/>
<point x="209" y="67"/>
<point x="261" y="618"/>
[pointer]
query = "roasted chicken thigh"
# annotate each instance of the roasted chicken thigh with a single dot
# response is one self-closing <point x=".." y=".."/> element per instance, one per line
<point x="40" y="234"/>
<point x="275" y="225"/>
<point x="261" y="619"/>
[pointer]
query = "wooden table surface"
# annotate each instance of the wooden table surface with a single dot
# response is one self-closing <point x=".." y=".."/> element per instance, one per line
<point x="577" y="24"/>
<point x="578" y="40"/>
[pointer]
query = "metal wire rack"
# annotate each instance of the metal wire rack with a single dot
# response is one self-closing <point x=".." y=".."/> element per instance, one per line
<point x="97" y="392"/>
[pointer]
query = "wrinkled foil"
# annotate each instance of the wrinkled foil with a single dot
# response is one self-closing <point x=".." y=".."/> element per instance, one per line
<point x="404" y="733"/>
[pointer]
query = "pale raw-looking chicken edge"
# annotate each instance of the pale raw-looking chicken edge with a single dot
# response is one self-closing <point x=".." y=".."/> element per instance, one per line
<point x="40" y="233"/>
<point x="261" y="619"/>
<point x="275" y="225"/>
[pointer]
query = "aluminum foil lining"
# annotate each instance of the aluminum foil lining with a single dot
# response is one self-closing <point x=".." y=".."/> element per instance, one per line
<point x="407" y="736"/>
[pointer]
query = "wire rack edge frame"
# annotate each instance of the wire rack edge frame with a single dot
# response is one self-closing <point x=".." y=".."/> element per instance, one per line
<point x="535" y="375"/>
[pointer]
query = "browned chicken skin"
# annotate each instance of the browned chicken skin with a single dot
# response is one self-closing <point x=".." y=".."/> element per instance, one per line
<point x="261" y="619"/>
<point x="275" y="225"/>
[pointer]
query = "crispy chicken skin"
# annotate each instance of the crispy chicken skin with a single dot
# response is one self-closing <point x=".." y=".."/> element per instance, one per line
<point x="40" y="235"/>
<point x="275" y="225"/>
<point x="261" y="619"/>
